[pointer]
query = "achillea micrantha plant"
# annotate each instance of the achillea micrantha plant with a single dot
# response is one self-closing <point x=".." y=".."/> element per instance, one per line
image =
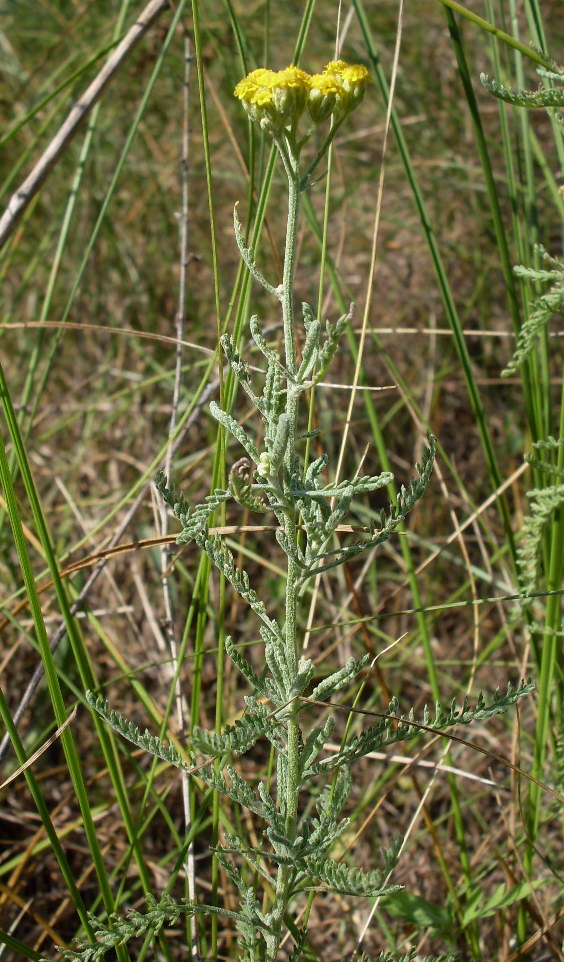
<point x="292" y="861"/>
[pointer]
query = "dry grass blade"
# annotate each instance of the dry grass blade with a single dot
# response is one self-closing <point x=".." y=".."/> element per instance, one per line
<point x="104" y="329"/>
<point x="33" y="758"/>
<point x="25" y="193"/>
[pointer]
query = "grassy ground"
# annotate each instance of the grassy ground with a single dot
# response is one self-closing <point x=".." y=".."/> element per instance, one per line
<point x="92" y="279"/>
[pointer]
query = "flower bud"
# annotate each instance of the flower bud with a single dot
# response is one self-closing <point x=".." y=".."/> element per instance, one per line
<point x="263" y="466"/>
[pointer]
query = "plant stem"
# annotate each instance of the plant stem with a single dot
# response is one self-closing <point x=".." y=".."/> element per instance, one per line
<point x="321" y="152"/>
<point x="289" y="803"/>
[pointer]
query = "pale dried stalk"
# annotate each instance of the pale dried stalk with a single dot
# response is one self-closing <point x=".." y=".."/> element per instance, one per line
<point x="26" y="192"/>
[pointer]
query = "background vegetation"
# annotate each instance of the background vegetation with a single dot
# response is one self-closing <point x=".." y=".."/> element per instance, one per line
<point x="92" y="279"/>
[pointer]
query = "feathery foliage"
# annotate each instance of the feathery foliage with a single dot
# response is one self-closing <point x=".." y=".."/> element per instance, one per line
<point x="543" y="308"/>
<point x="351" y="881"/>
<point x="130" y="731"/>
<point x="194" y="521"/>
<point x="532" y="99"/>
<point x="308" y="511"/>
<point x="544" y="502"/>
<point x="407" y="957"/>
<point x="120" y="930"/>
<point x="389" y="730"/>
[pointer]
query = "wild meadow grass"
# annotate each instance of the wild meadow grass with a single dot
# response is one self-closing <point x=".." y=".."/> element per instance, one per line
<point x="121" y="278"/>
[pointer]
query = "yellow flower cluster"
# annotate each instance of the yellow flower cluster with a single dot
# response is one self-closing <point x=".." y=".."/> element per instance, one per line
<point x="260" y="86"/>
<point x="276" y="99"/>
<point x="338" y="90"/>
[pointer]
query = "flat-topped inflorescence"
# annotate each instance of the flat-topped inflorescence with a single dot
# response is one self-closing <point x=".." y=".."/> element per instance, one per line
<point x="277" y="99"/>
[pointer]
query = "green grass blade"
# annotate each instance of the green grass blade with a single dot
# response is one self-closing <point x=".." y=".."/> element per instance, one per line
<point x="500" y="34"/>
<point x="442" y="280"/>
<point x="67" y="741"/>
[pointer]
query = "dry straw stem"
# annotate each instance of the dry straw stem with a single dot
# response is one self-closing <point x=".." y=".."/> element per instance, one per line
<point x="106" y="329"/>
<point x="25" y="193"/>
<point x="33" y="758"/>
<point x="146" y="543"/>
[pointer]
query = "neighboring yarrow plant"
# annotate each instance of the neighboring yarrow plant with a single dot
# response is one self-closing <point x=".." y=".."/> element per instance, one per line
<point x="301" y="819"/>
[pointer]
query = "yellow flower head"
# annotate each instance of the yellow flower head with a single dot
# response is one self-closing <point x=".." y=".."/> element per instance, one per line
<point x="274" y="99"/>
<point x="256" y="87"/>
<point x="323" y="94"/>
<point x="345" y="82"/>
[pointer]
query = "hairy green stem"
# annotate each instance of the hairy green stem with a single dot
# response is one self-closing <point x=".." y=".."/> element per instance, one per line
<point x="289" y="803"/>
